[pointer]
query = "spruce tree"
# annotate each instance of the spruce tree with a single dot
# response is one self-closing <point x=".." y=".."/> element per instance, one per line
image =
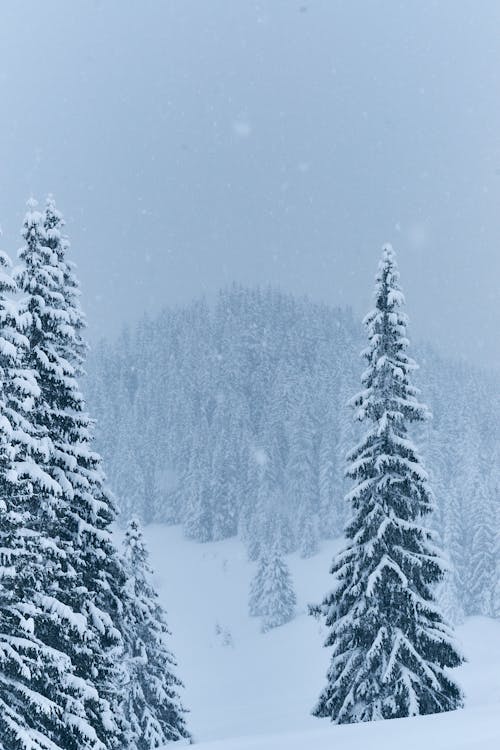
<point x="84" y="593"/>
<point x="302" y="479"/>
<point x="224" y="474"/>
<point x="127" y="479"/>
<point x="151" y="704"/>
<point x="391" y="645"/>
<point x="268" y="516"/>
<point x="272" y="596"/>
<point x="483" y="561"/>
<point x="67" y="283"/>
<point x="329" y="482"/>
<point x="42" y="701"/>
<point x="198" y="512"/>
<point x="255" y="603"/>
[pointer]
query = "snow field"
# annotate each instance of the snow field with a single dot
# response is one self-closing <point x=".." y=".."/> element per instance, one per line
<point x="260" y="688"/>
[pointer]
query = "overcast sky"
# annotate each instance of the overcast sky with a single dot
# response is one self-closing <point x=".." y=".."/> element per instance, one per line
<point x="193" y="142"/>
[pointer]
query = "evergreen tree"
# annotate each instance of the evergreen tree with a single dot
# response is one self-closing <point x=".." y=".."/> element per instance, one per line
<point x="308" y="534"/>
<point x="197" y="513"/>
<point x="151" y="704"/>
<point x="224" y="467"/>
<point x="255" y="603"/>
<point x="272" y="596"/>
<point x="331" y="512"/>
<point x="302" y="478"/>
<point x="147" y="463"/>
<point x="67" y="283"/>
<point x="496" y="586"/>
<point x="83" y="595"/>
<point x="483" y="558"/>
<point x="456" y="538"/>
<point x="42" y="702"/>
<point x="127" y="475"/>
<point x="268" y="518"/>
<point x="247" y="528"/>
<point x="391" y="646"/>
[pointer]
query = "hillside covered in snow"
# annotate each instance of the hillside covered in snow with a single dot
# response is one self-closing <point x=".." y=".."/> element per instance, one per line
<point x="252" y="691"/>
<point x="190" y="404"/>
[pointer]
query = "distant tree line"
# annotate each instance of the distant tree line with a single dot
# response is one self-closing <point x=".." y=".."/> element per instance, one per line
<point x="232" y="418"/>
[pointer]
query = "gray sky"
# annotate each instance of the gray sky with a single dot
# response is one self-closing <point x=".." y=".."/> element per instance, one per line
<point x="193" y="142"/>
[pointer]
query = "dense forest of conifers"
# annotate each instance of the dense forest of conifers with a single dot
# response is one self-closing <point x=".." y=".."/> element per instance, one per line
<point x="232" y="418"/>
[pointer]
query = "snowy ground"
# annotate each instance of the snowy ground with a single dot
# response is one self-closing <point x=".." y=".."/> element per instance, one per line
<point x="252" y="691"/>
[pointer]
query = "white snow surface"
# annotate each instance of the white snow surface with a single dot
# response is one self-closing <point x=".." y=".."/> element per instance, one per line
<point x="248" y="690"/>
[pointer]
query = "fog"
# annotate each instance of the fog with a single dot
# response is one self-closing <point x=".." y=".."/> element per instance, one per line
<point x="190" y="143"/>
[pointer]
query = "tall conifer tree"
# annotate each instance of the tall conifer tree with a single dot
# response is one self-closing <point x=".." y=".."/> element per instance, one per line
<point x="152" y="705"/>
<point x="390" y="645"/>
<point x="272" y="596"/>
<point x="42" y="701"/>
<point x="87" y="609"/>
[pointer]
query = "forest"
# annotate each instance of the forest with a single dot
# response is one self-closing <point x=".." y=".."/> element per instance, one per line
<point x="233" y="419"/>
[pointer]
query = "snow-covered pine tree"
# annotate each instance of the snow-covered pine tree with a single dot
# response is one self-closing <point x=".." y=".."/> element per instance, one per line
<point x="391" y="645"/>
<point x="302" y="486"/>
<point x="267" y="517"/>
<point x="69" y="288"/>
<point x="127" y="479"/>
<point x="224" y="471"/>
<point x="42" y="702"/>
<point x="272" y="596"/>
<point x="197" y="513"/>
<point x="151" y="696"/>
<point x="451" y="591"/>
<point x="328" y="484"/>
<point x="483" y="560"/>
<point x="255" y="605"/>
<point x="496" y="587"/>
<point x="83" y="601"/>
<point x="143" y="470"/>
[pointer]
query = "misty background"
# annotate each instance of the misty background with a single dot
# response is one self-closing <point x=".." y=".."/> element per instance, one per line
<point x="191" y="143"/>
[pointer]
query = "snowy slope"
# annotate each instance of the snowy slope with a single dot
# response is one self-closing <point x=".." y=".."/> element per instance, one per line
<point x="241" y="683"/>
<point x="468" y="730"/>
